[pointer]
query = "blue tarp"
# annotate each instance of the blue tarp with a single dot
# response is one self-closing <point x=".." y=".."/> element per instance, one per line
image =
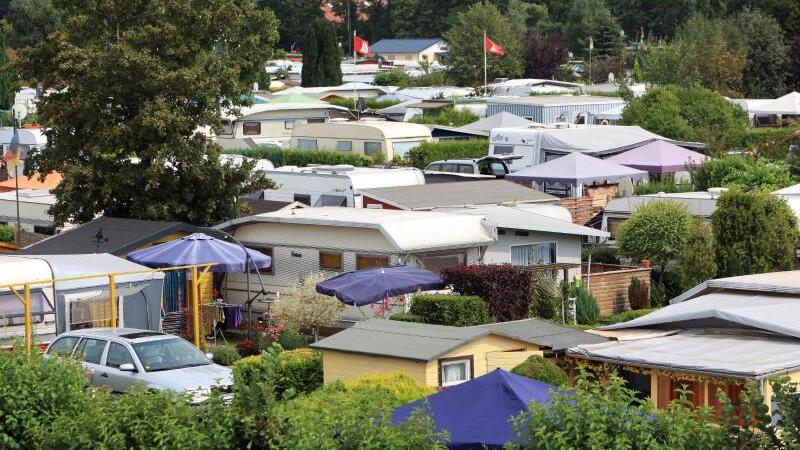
<point x="476" y="413"/>
<point x="367" y="286"/>
<point x="199" y="248"/>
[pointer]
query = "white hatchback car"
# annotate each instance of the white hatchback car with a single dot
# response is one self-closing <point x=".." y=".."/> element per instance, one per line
<point x="121" y="358"/>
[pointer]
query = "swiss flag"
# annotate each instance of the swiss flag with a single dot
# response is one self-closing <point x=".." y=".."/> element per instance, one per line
<point x="492" y="46"/>
<point x="361" y="46"/>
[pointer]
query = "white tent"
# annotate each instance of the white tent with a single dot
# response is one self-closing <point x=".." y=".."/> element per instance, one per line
<point x="789" y="105"/>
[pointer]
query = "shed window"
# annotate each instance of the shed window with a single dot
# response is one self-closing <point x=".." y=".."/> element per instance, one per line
<point x="251" y="128"/>
<point x="366" y="261"/>
<point x="330" y="261"/>
<point x="344" y="146"/>
<point x="267" y="251"/>
<point x="372" y="148"/>
<point x="307" y="144"/>
<point x="533" y="254"/>
<point x="453" y="371"/>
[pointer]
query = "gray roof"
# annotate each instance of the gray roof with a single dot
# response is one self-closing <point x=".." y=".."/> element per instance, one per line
<point x="424" y="342"/>
<point x="787" y="282"/>
<point x="726" y="353"/>
<point x="699" y="204"/>
<point x="120" y="236"/>
<point x="427" y="196"/>
<point x="403" y="45"/>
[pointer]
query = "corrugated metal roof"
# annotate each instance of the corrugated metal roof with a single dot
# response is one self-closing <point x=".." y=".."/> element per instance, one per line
<point x="427" y="196"/>
<point x="424" y="342"/>
<point x="403" y="45"/>
<point x="786" y="282"/>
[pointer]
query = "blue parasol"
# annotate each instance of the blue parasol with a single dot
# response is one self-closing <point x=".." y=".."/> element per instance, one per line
<point x="367" y="286"/>
<point x="200" y="248"/>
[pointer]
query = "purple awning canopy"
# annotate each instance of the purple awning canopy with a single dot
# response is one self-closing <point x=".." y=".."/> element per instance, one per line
<point x="367" y="286"/>
<point x="659" y="157"/>
<point x="577" y="168"/>
<point x="200" y="248"/>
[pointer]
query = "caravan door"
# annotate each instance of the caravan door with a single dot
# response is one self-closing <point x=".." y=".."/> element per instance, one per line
<point x="521" y="143"/>
<point x="91" y="309"/>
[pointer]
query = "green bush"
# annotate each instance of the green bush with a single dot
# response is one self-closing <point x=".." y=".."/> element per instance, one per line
<point x="6" y="233"/>
<point x="770" y="143"/>
<point x="299" y="372"/>
<point x="638" y="294"/>
<point x="392" y="77"/>
<point x="743" y="172"/>
<point x="587" y="311"/>
<point x="370" y="102"/>
<point x="546" y="299"/>
<point x="291" y="339"/>
<point x="403" y="388"/>
<point x="453" y="310"/>
<point x="654" y="187"/>
<point x="448" y="117"/>
<point x="225" y="355"/>
<point x="539" y="368"/>
<point x="302" y="158"/>
<point x="407" y="317"/>
<point x="429" y="152"/>
<point x="601" y="254"/>
<point x="625" y="316"/>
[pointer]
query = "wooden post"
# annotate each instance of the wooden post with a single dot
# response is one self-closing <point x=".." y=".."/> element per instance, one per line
<point x="28" y="331"/>
<point x="196" y="306"/>
<point x="112" y="292"/>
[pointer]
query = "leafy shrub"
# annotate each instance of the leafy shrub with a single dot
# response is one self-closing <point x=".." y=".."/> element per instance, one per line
<point x="743" y="172"/>
<point x="448" y="117"/>
<point x="654" y="187"/>
<point x="770" y="143"/>
<point x="429" y="152"/>
<point x="545" y="299"/>
<point x="453" y="310"/>
<point x="505" y="287"/>
<point x="402" y="386"/>
<point x="247" y="347"/>
<point x="7" y="233"/>
<point x="371" y="103"/>
<point x="391" y="77"/>
<point x="225" y="355"/>
<point x="656" y="231"/>
<point x="254" y="400"/>
<point x="407" y="317"/>
<point x="299" y="372"/>
<point x="625" y="316"/>
<point x="291" y="339"/>
<point x="587" y="311"/>
<point x="697" y="263"/>
<point x="601" y="254"/>
<point x="539" y="368"/>
<point x="638" y="294"/>
<point x="302" y="158"/>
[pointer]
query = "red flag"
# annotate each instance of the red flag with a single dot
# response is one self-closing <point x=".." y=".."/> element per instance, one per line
<point x="361" y="46"/>
<point x="493" y="47"/>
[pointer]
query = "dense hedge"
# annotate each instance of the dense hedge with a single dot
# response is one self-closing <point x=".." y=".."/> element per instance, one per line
<point x="407" y="317"/>
<point x="225" y="355"/>
<point x="371" y="103"/>
<point x="453" y="310"/>
<point x="539" y="368"/>
<point x="505" y="287"/>
<point x="772" y="143"/>
<point x="428" y="152"/>
<point x="301" y="158"/>
<point x="299" y="372"/>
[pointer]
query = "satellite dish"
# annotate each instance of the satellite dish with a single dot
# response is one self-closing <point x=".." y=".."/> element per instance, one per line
<point x="625" y="187"/>
<point x="20" y="111"/>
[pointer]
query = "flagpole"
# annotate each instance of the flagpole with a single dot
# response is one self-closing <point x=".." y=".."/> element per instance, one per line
<point x="355" y="91"/>
<point x="16" y="183"/>
<point x="485" y="77"/>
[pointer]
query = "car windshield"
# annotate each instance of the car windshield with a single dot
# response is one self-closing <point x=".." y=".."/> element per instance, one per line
<point x="169" y="354"/>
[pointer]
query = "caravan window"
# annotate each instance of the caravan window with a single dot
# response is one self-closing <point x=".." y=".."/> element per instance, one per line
<point x="288" y="124"/>
<point x="330" y="261"/>
<point x="89" y="313"/>
<point x="401" y="148"/>
<point x="372" y="148"/>
<point x="344" y="146"/>
<point x="503" y="149"/>
<point x="251" y="128"/>
<point x="365" y="262"/>
<point x="227" y="127"/>
<point x="307" y="144"/>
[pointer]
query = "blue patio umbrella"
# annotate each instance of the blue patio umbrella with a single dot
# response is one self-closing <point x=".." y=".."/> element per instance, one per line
<point x="199" y="248"/>
<point x="476" y="413"/>
<point x="367" y="286"/>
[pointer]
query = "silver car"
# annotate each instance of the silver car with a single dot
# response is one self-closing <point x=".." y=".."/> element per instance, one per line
<point x="122" y="358"/>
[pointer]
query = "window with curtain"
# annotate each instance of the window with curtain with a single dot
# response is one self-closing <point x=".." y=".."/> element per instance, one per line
<point x="344" y="146"/>
<point x="307" y="144"/>
<point x="533" y="254"/>
<point x="438" y="262"/>
<point x="372" y="148"/>
<point x="366" y="261"/>
<point x="92" y="313"/>
<point x="330" y="261"/>
<point x="251" y="128"/>
<point x="454" y="372"/>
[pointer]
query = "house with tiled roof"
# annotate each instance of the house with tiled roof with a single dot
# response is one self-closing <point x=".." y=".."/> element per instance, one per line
<point x="410" y="50"/>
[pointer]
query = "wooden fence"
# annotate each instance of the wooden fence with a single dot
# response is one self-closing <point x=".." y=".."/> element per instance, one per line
<point x="608" y="283"/>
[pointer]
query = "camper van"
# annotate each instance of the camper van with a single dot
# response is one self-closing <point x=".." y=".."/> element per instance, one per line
<point x="537" y="145"/>
<point x="365" y="137"/>
<point x="337" y="185"/>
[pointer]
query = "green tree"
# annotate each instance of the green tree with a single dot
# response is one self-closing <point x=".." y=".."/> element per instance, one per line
<point x="8" y="82"/>
<point x="697" y="263"/>
<point x="141" y="82"/>
<point x="764" y="74"/>
<point x="32" y="21"/>
<point x="579" y="24"/>
<point x="689" y="113"/>
<point x="464" y="37"/>
<point x="421" y="18"/>
<point x="605" y="34"/>
<point x="322" y="57"/>
<point x="742" y="172"/>
<point x="656" y="231"/>
<point x="295" y="15"/>
<point x="754" y="232"/>
<point x="539" y="368"/>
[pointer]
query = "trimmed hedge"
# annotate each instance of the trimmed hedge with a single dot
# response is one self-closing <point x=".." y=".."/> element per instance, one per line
<point x="225" y="355"/>
<point x="299" y="372"/>
<point x="428" y="152"/>
<point x="301" y="158"/>
<point x="771" y="143"/>
<point x="453" y="310"/>
<point x="407" y="317"/>
<point x="504" y="287"/>
<point x="625" y="316"/>
<point x="539" y="368"/>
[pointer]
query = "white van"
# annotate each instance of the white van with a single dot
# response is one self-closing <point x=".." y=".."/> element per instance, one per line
<point x="365" y="137"/>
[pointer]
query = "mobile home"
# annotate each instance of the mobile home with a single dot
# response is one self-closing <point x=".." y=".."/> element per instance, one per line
<point x="370" y="138"/>
<point x="338" y="185"/>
